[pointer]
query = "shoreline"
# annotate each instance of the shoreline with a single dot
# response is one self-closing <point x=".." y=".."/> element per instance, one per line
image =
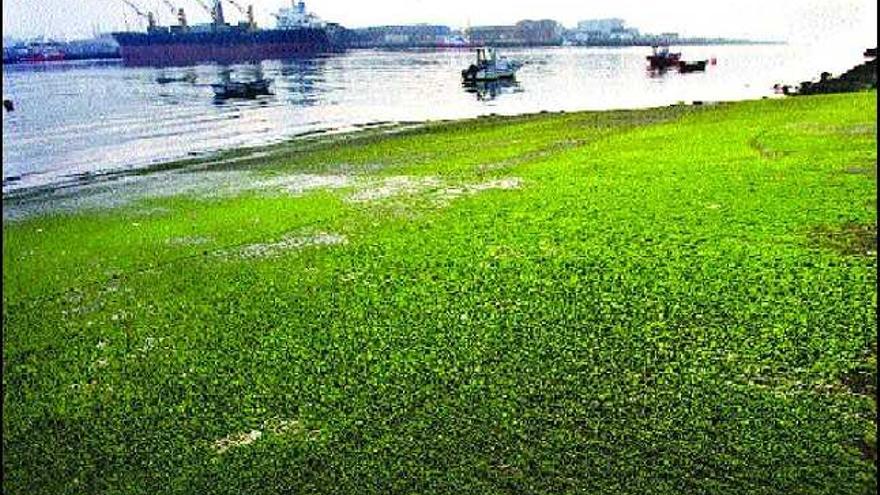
<point x="319" y="137"/>
<point x="110" y="57"/>
<point x="67" y="155"/>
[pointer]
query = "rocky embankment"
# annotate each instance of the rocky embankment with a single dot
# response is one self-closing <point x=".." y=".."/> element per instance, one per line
<point x="860" y="77"/>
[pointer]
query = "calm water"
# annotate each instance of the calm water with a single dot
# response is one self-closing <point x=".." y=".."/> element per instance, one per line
<point x="79" y="118"/>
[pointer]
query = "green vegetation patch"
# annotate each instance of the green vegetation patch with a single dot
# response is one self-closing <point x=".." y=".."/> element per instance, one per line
<point x="675" y="300"/>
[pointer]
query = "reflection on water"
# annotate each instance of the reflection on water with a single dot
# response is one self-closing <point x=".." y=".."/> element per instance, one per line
<point x="490" y="90"/>
<point x="75" y="118"/>
<point x="657" y="72"/>
<point x="301" y="81"/>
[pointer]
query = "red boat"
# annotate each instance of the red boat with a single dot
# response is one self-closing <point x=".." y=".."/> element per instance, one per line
<point x="663" y="58"/>
<point x="41" y="52"/>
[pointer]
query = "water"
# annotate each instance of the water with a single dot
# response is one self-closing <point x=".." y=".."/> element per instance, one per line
<point x="78" y="119"/>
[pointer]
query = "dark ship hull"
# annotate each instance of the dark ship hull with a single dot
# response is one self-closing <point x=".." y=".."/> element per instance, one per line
<point x="167" y="47"/>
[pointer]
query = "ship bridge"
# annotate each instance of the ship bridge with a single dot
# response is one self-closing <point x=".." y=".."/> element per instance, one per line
<point x="297" y="17"/>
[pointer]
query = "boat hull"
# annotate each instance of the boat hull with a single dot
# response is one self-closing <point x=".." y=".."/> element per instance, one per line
<point x="182" y="48"/>
<point x="241" y="89"/>
<point x="663" y="62"/>
<point x="484" y="76"/>
<point x="692" y="66"/>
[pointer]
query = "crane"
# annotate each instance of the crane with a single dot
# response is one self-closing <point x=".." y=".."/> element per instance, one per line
<point x="247" y="12"/>
<point x="134" y="7"/>
<point x="181" y="15"/>
<point x="170" y="6"/>
<point x="151" y="20"/>
<point x="238" y="6"/>
<point x="216" y="11"/>
<point x="205" y="6"/>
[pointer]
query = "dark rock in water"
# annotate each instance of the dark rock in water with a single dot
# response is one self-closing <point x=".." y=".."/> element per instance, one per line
<point x="8" y="105"/>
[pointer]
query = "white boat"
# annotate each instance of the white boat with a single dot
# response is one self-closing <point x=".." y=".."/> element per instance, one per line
<point x="491" y="67"/>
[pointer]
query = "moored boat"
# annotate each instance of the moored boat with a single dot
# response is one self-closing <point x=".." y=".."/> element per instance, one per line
<point x="490" y="67"/>
<point x="38" y="51"/>
<point x="662" y="58"/>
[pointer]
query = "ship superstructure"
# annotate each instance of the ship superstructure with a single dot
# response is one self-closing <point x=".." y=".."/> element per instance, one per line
<point x="297" y="32"/>
<point x="297" y="17"/>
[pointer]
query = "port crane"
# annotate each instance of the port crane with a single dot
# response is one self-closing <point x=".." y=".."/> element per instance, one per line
<point x="170" y="6"/>
<point x="208" y="9"/>
<point x="181" y="16"/>
<point x="151" y="19"/>
<point x="238" y="6"/>
<point x="205" y="6"/>
<point x="247" y="12"/>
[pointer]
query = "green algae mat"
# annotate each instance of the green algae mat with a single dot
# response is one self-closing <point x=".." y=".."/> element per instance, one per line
<point x="665" y="301"/>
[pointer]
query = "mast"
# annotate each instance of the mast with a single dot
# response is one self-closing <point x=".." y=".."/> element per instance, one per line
<point x="217" y="14"/>
<point x="250" y="17"/>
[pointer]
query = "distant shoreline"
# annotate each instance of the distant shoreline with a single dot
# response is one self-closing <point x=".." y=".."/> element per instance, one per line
<point x="417" y="46"/>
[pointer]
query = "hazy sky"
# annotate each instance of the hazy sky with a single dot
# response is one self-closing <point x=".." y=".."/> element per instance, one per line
<point x="792" y="20"/>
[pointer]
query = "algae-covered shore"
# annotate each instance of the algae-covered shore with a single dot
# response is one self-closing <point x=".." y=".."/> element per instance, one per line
<point x="674" y="300"/>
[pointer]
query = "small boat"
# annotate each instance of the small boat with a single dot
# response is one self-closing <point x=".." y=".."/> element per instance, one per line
<point x="490" y="67"/>
<point x="698" y="66"/>
<point x="238" y="89"/>
<point x="662" y="58"/>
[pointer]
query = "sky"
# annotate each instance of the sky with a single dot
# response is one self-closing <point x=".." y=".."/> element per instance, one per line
<point x="796" y="21"/>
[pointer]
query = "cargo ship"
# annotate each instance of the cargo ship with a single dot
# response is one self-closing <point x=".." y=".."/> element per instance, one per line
<point x="297" y="33"/>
